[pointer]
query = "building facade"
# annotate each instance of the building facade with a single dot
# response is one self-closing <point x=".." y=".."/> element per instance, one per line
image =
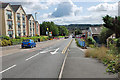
<point x="7" y="20"/>
<point x="15" y="22"/>
<point x="20" y="21"/>
<point x="31" y="25"/>
<point x="37" y="32"/>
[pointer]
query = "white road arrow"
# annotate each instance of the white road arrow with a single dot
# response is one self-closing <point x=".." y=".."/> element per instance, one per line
<point x="45" y="51"/>
<point x="55" y="51"/>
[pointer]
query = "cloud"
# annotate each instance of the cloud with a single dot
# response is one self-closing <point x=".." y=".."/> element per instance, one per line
<point x="66" y="9"/>
<point x="104" y="7"/>
<point x="94" y="17"/>
<point x="31" y="6"/>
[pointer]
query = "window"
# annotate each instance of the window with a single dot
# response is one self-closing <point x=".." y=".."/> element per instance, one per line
<point x="33" y="24"/>
<point x="18" y="17"/>
<point x="10" y="33"/>
<point x="37" y="29"/>
<point x="19" y="27"/>
<point x="19" y="33"/>
<point x="9" y="13"/>
<point x="23" y="17"/>
<point x="24" y="32"/>
<point x="30" y="29"/>
<point x="23" y="25"/>
<point x="30" y="22"/>
<point x="10" y="25"/>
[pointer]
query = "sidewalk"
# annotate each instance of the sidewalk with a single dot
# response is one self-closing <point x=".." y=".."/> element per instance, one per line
<point x="77" y="66"/>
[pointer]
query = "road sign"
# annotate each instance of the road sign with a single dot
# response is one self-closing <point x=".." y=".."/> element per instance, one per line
<point x="50" y="33"/>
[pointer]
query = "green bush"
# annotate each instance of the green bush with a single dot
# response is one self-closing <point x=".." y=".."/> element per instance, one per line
<point x="92" y="46"/>
<point x="17" y="37"/>
<point x="90" y="40"/>
<point x="5" y="42"/>
<point x="16" y="41"/>
<point x="77" y="43"/>
<point x="118" y="42"/>
<point x="4" y="37"/>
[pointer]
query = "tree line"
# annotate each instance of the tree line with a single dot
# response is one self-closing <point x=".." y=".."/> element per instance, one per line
<point x="51" y="27"/>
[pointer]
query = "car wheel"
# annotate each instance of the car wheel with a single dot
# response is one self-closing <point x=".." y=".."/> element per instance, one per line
<point x="21" y="46"/>
<point x="35" y="45"/>
<point x="31" y="46"/>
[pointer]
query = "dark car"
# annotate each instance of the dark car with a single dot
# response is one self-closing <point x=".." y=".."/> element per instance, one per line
<point x="28" y="43"/>
<point x="66" y="37"/>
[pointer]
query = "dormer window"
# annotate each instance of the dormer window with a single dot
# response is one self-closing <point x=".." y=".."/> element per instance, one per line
<point x="96" y="29"/>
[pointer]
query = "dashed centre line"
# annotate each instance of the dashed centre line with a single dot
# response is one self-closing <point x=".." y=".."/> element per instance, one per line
<point x="32" y="57"/>
<point x="7" y="69"/>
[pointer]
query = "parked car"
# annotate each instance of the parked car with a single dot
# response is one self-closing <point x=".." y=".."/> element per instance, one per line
<point x="66" y="37"/>
<point x="28" y="43"/>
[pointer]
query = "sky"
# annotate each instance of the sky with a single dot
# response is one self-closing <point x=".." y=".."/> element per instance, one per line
<point x="65" y="12"/>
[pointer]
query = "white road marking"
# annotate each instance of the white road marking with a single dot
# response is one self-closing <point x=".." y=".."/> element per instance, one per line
<point x="31" y="57"/>
<point x="7" y="69"/>
<point x="55" y="51"/>
<point x="45" y="51"/>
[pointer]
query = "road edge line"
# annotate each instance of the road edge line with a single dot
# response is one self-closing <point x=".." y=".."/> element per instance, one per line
<point x="63" y="64"/>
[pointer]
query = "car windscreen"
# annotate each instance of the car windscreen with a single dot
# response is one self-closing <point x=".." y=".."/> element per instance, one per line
<point x="26" y="40"/>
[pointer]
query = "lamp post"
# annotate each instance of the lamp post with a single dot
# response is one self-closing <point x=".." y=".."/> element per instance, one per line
<point x="35" y="16"/>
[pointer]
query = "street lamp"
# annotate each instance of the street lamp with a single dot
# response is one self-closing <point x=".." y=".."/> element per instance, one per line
<point x="35" y="16"/>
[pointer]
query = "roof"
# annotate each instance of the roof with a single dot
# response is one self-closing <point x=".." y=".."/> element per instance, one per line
<point x="95" y="30"/>
<point x="4" y="5"/>
<point x="15" y="7"/>
<point x="29" y="15"/>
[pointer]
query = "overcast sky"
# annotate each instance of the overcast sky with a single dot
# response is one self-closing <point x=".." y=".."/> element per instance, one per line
<point x="69" y="11"/>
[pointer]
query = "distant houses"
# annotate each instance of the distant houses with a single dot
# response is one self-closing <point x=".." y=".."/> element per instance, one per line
<point x="15" y="22"/>
<point x="94" y="33"/>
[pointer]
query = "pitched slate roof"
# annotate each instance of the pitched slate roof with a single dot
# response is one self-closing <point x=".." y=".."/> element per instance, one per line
<point x="4" y="5"/>
<point x="15" y="7"/>
<point x="29" y="15"/>
<point x="96" y="30"/>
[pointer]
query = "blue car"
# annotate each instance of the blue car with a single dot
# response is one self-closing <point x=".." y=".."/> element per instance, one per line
<point x="28" y="43"/>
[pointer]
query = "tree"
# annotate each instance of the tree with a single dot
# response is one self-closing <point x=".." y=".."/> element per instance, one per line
<point x="63" y="31"/>
<point x="113" y="24"/>
<point x="105" y="33"/>
<point x="51" y="28"/>
<point x="78" y="31"/>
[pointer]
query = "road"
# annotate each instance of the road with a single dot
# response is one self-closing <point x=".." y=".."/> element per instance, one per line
<point x="44" y="61"/>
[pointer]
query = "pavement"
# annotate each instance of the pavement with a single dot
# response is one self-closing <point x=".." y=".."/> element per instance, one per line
<point x="77" y="66"/>
<point x="44" y="61"/>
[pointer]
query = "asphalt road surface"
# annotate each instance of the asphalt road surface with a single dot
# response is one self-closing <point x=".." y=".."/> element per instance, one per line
<point x="44" y="61"/>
